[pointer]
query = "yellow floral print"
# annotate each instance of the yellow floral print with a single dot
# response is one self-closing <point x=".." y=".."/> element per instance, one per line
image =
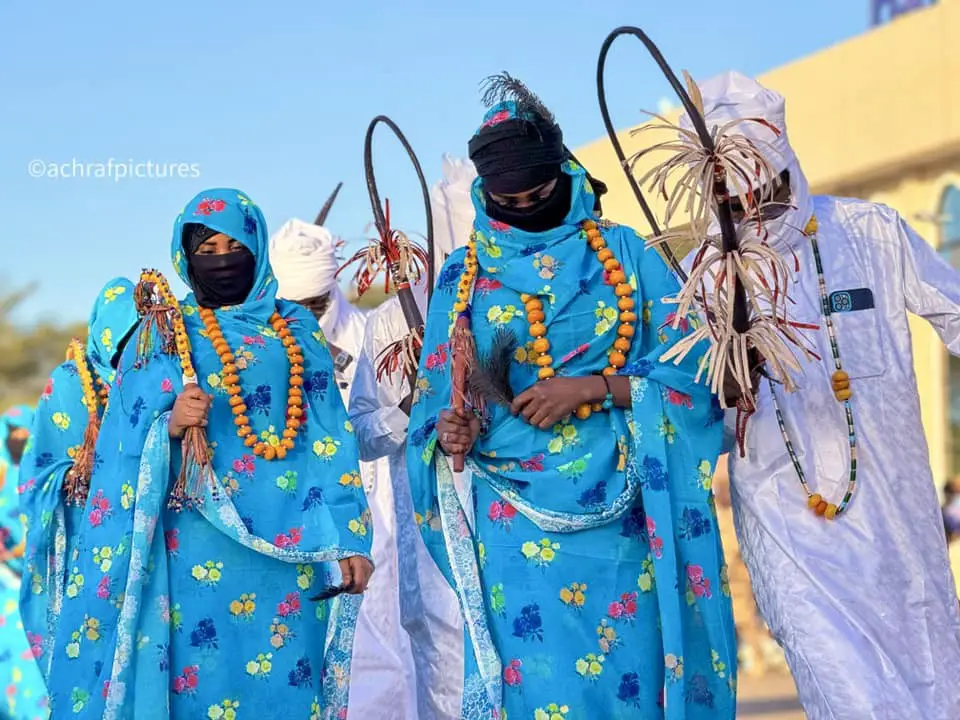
<point x="551" y="712"/>
<point x="325" y="449"/>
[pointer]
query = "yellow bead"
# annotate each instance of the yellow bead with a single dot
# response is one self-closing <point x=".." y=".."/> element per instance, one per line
<point x="843" y="395"/>
<point x="459" y="306"/>
<point x="524" y="297"/>
<point x="544" y="361"/>
<point x="584" y="411"/>
<point x="541" y="345"/>
<point x="623" y="290"/>
<point x="814" y="500"/>
<point x="533" y="304"/>
<point x="538" y="330"/>
<point x="545" y="373"/>
<point x="831" y="512"/>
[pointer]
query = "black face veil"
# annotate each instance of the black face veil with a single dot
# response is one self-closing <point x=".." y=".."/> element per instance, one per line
<point x="523" y="153"/>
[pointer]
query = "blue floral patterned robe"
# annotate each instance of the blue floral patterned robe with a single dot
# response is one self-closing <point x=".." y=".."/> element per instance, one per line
<point x="58" y="433"/>
<point x="205" y="613"/>
<point x="591" y="579"/>
<point x="24" y="692"/>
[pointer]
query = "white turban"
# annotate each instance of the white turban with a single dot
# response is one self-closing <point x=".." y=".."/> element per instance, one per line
<point x="304" y="260"/>
<point x="732" y="96"/>
<point x="452" y="207"/>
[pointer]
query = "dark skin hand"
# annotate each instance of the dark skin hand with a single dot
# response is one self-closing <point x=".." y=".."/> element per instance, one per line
<point x="457" y="430"/>
<point x="356" y="573"/>
<point x="189" y="410"/>
<point x="551" y="401"/>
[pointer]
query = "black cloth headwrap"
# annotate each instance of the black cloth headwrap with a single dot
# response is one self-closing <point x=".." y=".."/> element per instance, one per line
<point x="545" y="215"/>
<point x="217" y="280"/>
<point x="517" y="155"/>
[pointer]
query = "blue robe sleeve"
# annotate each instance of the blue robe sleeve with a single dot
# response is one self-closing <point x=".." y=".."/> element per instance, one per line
<point x="57" y="434"/>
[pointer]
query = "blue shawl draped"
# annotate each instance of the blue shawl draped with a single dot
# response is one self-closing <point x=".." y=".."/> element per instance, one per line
<point x="24" y="693"/>
<point x="57" y="436"/>
<point x="581" y="474"/>
<point x="206" y="612"/>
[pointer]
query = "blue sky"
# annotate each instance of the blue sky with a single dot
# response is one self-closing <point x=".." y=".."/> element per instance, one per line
<point x="274" y="99"/>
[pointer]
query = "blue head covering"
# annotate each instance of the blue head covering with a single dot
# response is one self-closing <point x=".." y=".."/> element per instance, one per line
<point x="19" y="416"/>
<point x="232" y="213"/>
<point x="112" y="320"/>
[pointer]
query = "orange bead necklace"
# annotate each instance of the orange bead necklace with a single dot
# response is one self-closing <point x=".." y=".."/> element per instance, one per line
<point x="231" y="383"/>
<point x="616" y="277"/>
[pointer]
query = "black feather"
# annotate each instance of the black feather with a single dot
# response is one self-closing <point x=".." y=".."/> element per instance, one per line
<point x="491" y="377"/>
<point x="505" y="87"/>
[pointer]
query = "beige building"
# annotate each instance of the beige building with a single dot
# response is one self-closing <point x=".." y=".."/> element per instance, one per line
<point x="874" y="117"/>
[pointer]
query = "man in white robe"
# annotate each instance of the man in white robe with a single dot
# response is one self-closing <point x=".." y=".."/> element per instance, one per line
<point x="864" y="605"/>
<point x="304" y="260"/>
<point x="425" y="614"/>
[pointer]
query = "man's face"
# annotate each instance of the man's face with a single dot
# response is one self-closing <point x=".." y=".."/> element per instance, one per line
<point x="778" y="202"/>
<point x="318" y="305"/>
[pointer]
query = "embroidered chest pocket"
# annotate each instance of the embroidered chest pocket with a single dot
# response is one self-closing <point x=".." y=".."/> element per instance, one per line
<point x="859" y="332"/>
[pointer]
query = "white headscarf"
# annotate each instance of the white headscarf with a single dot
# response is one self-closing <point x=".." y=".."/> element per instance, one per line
<point x="733" y="96"/>
<point x="304" y="260"/>
<point x="452" y="207"/>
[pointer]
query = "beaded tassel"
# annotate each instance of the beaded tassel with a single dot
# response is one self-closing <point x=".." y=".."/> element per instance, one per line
<point x="76" y="484"/>
<point x="160" y="309"/>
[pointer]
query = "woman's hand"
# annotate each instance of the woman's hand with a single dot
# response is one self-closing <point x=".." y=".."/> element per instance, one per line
<point x="189" y="410"/>
<point x="457" y="430"/>
<point x="356" y="572"/>
<point x="549" y="401"/>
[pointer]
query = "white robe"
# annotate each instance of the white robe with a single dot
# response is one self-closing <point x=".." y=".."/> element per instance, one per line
<point x="382" y="680"/>
<point x="410" y="607"/>
<point x="864" y="606"/>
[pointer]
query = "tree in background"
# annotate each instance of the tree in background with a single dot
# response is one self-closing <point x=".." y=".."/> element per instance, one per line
<point x="28" y="354"/>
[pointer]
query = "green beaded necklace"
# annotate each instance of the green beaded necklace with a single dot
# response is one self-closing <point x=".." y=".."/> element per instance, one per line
<point x="841" y="390"/>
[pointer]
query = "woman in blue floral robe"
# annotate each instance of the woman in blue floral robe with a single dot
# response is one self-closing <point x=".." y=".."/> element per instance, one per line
<point x="205" y="611"/>
<point x="586" y="558"/>
<point x="59" y="431"/>
<point x="24" y="693"/>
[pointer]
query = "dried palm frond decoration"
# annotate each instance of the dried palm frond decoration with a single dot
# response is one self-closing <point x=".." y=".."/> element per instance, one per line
<point x="737" y="282"/>
<point x="398" y="258"/>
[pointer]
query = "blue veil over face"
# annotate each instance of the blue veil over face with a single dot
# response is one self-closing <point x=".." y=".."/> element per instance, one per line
<point x="621" y="481"/>
<point x="225" y="595"/>
<point x="112" y="321"/>
<point x="232" y="213"/>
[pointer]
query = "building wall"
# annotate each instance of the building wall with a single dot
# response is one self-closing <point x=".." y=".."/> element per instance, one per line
<point x="877" y="117"/>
